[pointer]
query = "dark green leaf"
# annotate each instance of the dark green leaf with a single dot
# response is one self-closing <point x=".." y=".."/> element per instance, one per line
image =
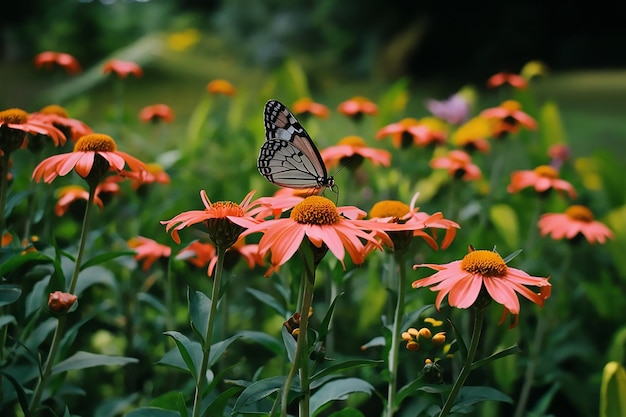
<point x="82" y="360"/>
<point x="408" y="390"/>
<point x="217" y="406"/>
<point x="337" y="389"/>
<point x="217" y="349"/>
<point x="9" y="294"/>
<point x="474" y="395"/>
<point x="327" y="318"/>
<point x="152" y="301"/>
<point x="152" y="412"/>
<point x="342" y="366"/>
<point x="268" y="300"/>
<point x="258" y="391"/>
<point x="6" y="319"/>
<point x="459" y="341"/>
<point x="15" y="262"/>
<point x="199" y="310"/>
<point x="515" y="349"/>
<point x="104" y="257"/>
<point x="115" y="406"/>
<point x="19" y="390"/>
<point x="190" y="353"/>
<point x="268" y="341"/>
<point x="290" y="343"/>
<point x="96" y="275"/>
<point x="347" y="412"/>
<point x="512" y="256"/>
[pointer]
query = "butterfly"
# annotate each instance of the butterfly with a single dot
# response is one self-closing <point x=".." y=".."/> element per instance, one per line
<point x="288" y="157"/>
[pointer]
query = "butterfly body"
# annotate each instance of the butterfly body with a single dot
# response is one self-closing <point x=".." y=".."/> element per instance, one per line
<point x="288" y="157"/>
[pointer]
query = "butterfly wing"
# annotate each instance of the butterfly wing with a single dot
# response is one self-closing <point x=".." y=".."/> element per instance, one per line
<point x="288" y="157"/>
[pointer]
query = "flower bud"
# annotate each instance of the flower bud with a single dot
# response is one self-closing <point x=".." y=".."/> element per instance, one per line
<point x="412" y="346"/>
<point x="439" y="338"/>
<point x="61" y="302"/>
<point x="425" y="333"/>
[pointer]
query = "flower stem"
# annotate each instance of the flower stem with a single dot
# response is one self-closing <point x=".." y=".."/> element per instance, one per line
<point x="395" y="338"/>
<point x="467" y="366"/>
<point x="215" y="294"/>
<point x="4" y="171"/>
<point x="301" y="357"/>
<point x="62" y="321"/>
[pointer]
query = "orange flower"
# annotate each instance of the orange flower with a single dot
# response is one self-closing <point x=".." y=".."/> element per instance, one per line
<point x="16" y="123"/>
<point x="351" y="151"/>
<point x="93" y="156"/>
<point x="152" y="173"/>
<point x="357" y="106"/>
<point x="543" y="178"/>
<point x="322" y="223"/>
<point x="463" y="282"/>
<point x="409" y="218"/>
<point x="305" y="107"/>
<point x="459" y="165"/>
<point x="122" y="68"/>
<point x="66" y="61"/>
<point x="156" y="113"/>
<point x="61" y="302"/>
<point x="575" y="222"/>
<point x="198" y="253"/>
<point x="148" y="250"/>
<point x="501" y="78"/>
<point x="559" y="153"/>
<point x="57" y="116"/>
<point x="7" y="238"/>
<point x="70" y="194"/>
<point x="219" y="218"/>
<point x="283" y="200"/>
<point x="508" y="118"/>
<point x="221" y="87"/>
<point x="408" y="131"/>
<point x="473" y="135"/>
<point x="202" y="254"/>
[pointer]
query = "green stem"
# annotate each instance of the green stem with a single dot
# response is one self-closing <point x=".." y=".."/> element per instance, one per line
<point x="394" y="351"/>
<point x="3" y="191"/>
<point x="467" y="366"/>
<point x="62" y="321"/>
<point x="301" y="357"/>
<point x="215" y="293"/>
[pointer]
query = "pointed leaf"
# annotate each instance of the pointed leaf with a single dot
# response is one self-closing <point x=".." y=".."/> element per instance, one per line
<point x="512" y="256"/>
<point x="290" y="343"/>
<point x="342" y="366"/>
<point x="347" y="412"/>
<point x="258" y="391"/>
<point x="82" y="360"/>
<point x="9" y="294"/>
<point x="459" y="341"/>
<point x="152" y="412"/>
<point x="104" y="257"/>
<point x="199" y="310"/>
<point x="21" y="394"/>
<point x="217" y="406"/>
<point x="406" y="391"/>
<point x="327" y="318"/>
<point x="613" y="391"/>
<point x="15" y="262"/>
<point x="269" y="301"/>
<point x="515" y="349"/>
<point x="378" y="341"/>
<point x="218" y="349"/>
<point x="190" y="354"/>
<point x="474" y="395"/>
<point x="268" y="341"/>
<point x="338" y="389"/>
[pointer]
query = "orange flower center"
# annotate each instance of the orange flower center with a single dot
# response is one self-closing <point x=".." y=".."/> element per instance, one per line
<point x="227" y="208"/>
<point x="409" y="122"/>
<point x="13" y="116"/>
<point x="485" y="263"/>
<point x="546" y="171"/>
<point x="154" y="168"/>
<point x="95" y="142"/>
<point x="54" y="109"/>
<point x="580" y="213"/>
<point x="389" y="208"/>
<point x="511" y="105"/>
<point x="315" y="210"/>
<point x="355" y="141"/>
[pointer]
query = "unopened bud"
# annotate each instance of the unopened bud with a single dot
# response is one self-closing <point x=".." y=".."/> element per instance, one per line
<point x="439" y="338"/>
<point x="425" y="333"/>
<point x="61" y="302"/>
<point x="412" y="346"/>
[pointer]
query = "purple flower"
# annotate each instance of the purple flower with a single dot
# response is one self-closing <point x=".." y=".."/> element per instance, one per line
<point x="454" y="110"/>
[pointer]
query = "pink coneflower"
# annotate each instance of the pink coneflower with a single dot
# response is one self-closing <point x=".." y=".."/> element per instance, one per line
<point x="351" y="151"/>
<point x="575" y="222"/>
<point x="156" y="113"/>
<point x="513" y="80"/>
<point x="483" y="272"/>
<point x="122" y="68"/>
<point x="66" y="61"/>
<point x="307" y="107"/>
<point x="16" y="123"/>
<point x="508" y="117"/>
<point x="358" y="106"/>
<point x="148" y="250"/>
<point x="543" y="179"/>
<point x="459" y="165"/>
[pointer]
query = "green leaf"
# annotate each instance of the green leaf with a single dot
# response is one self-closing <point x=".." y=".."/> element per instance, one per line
<point x="268" y="341"/>
<point x="378" y="341"/>
<point x="474" y="395"/>
<point x="267" y="299"/>
<point x="96" y="275"/>
<point x="327" y="318"/>
<point x="613" y="391"/>
<point x="9" y="294"/>
<point x="152" y="412"/>
<point x="15" y="262"/>
<point x="217" y="406"/>
<point x="199" y="309"/>
<point x="512" y="350"/>
<point x="218" y="349"/>
<point x="505" y="221"/>
<point x="462" y="347"/>
<point x="409" y="389"/>
<point x="347" y="412"/>
<point x="189" y="352"/>
<point x="82" y="360"/>
<point x="260" y="390"/>
<point x="551" y="126"/>
<point x="337" y="389"/>
<point x="19" y="390"/>
<point x="6" y="319"/>
<point x="512" y="256"/>
<point x="104" y="257"/>
<point x="290" y="343"/>
<point x="342" y="366"/>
